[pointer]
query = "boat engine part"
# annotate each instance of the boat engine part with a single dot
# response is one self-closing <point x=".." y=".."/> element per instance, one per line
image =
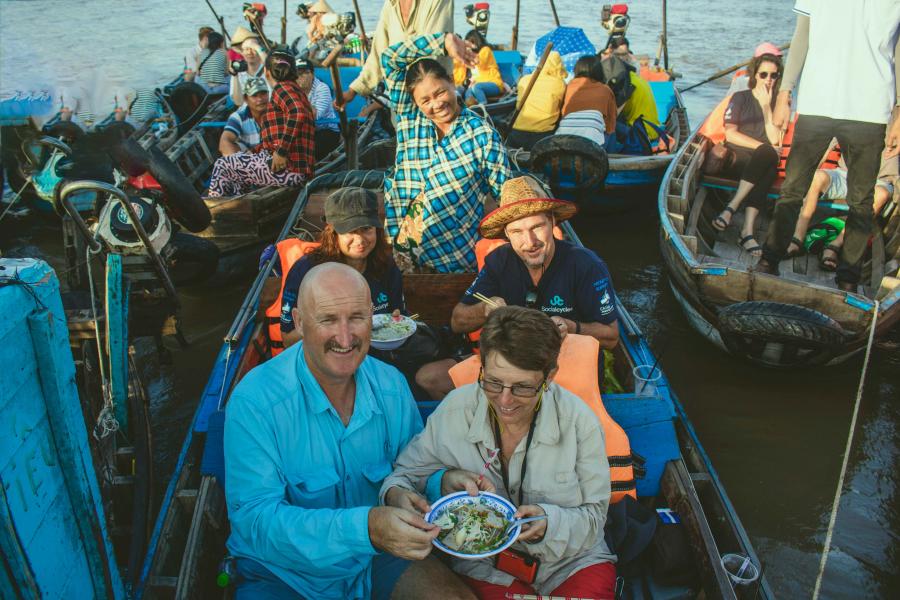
<point x="574" y="166"/>
<point x="478" y="16"/>
<point x="615" y="19"/>
<point x="114" y="226"/>
<point x="780" y="335"/>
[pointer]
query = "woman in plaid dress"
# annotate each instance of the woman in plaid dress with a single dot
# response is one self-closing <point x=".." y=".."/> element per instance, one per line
<point x="450" y="161"/>
<point x="285" y="155"/>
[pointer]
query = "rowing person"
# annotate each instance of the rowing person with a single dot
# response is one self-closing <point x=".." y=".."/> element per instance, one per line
<point x="309" y="437"/>
<point x="535" y="270"/>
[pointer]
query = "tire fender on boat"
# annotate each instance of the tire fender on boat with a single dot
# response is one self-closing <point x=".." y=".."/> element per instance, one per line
<point x="780" y="335"/>
<point x="183" y="203"/>
<point x="131" y="157"/>
<point x="572" y="164"/>
<point x="65" y="130"/>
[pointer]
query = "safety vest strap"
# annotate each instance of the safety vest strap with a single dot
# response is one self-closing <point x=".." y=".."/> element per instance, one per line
<point x="289" y="251"/>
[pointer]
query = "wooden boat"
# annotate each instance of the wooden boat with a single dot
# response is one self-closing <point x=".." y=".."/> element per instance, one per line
<point x="77" y="462"/>
<point x="796" y="319"/>
<point x="581" y="171"/>
<point x="187" y="544"/>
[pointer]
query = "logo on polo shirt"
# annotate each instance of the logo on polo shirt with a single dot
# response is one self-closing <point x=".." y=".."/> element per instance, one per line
<point x="382" y="301"/>
<point x="557" y="305"/>
<point x="382" y="297"/>
<point x="557" y="301"/>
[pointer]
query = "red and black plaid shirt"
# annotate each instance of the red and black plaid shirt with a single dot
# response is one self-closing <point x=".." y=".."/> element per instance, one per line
<point x="288" y="124"/>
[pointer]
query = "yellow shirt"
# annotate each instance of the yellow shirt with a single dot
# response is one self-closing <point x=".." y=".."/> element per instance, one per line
<point x="485" y="71"/>
<point x="641" y="103"/>
<point x="426" y="17"/>
<point x="542" y="111"/>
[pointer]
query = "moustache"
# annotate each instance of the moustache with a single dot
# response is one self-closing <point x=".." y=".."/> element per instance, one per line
<point x="333" y="345"/>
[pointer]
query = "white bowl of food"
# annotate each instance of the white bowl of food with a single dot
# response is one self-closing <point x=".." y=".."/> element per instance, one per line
<point x="389" y="333"/>
<point x="473" y="527"/>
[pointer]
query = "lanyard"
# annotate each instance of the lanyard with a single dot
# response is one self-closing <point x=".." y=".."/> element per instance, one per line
<point x="503" y="471"/>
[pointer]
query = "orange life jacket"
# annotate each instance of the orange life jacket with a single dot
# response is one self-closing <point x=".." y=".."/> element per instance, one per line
<point x="289" y="252"/>
<point x="653" y="74"/>
<point x="714" y="125"/>
<point x="578" y="374"/>
<point x="830" y="161"/>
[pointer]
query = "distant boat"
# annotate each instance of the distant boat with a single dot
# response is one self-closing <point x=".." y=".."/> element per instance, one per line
<point x="188" y="541"/>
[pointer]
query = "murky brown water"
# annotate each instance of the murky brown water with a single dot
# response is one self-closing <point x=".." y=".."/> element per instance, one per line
<point x="776" y="438"/>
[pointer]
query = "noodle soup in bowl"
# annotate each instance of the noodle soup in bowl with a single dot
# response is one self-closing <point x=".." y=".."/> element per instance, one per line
<point x="472" y="526"/>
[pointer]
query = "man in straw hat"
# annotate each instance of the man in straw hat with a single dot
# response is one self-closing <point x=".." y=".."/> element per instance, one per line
<point x="568" y="282"/>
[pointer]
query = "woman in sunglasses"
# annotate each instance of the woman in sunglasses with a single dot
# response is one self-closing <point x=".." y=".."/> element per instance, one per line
<point x="756" y="144"/>
<point x="544" y="451"/>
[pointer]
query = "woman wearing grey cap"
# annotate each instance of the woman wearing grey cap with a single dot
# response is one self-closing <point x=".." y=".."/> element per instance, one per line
<point x="353" y="235"/>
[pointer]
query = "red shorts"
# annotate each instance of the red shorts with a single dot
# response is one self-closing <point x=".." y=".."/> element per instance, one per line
<point x="596" y="582"/>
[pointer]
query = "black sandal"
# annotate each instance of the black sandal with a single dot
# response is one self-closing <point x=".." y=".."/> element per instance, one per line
<point x="719" y="222"/>
<point x="799" y="251"/>
<point x="754" y="251"/>
<point x="830" y="263"/>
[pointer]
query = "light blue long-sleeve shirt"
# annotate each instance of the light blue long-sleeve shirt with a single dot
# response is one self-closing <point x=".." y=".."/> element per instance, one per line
<point x="299" y="484"/>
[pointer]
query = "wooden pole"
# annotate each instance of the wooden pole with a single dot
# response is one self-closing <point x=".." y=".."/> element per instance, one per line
<point x="555" y="16"/>
<point x="515" y="30"/>
<point x="362" y="28"/>
<point x="724" y="72"/>
<point x="284" y="24"/>
<point x="262" y="35"/>
<point x="534" y="77"/>
<point x="347" y="132"/>
<point x="665" y="37"/>
<point x="220" y="20"/>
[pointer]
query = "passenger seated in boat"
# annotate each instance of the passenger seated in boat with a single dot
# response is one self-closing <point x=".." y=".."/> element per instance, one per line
<point x="484" y="78"/>
<point x="541" y="112"/>
<point x="212" y="70"/>
<point x="354" y="236"/>
<point x="285" y="156"/>
<point x="328" y="136"/>
<point x="831" y="184"/>
<point x="449" y="161"/>
<point x="309" y="437"/>
<point x="315" y="31"/>
<point x="534" y="270"/>
<point x="241" y="131"/>
<point x="756" y="143"/>
<point x="192" y="58"/>
<point x="247" y="43"/>
<point x="568" y="476"/>
<point x="635" y="101"/>
<point x="586" y="91"/>
<point x="742" y="78"/>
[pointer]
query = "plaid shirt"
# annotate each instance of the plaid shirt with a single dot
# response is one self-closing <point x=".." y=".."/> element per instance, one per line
<point x="288" y="124"/>
<point x="456" y="174"/>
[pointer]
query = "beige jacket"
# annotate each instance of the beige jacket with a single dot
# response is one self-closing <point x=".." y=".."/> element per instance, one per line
<point x="567" y="475"/>
<point x="427" y="16"/>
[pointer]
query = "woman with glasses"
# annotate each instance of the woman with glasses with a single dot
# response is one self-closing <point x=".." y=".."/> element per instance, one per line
<point x="756" y="143"/>
<point x="548" y="459"/>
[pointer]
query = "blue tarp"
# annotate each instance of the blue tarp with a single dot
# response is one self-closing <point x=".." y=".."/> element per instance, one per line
<point x="570" y="42"/>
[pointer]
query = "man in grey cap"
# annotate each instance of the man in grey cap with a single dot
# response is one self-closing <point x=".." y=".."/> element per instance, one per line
<point x="242" y="129"/>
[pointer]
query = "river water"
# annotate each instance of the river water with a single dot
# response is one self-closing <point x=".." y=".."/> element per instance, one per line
<point x="776" y="438"/>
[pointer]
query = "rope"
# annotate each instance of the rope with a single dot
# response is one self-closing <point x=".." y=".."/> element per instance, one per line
<point x="16" y="197"/>
<point x="106" y="420"/>
<point x="837" y="493"/>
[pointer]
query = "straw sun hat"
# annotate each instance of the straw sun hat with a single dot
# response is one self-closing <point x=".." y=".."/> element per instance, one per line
<point x="320" y="7"/>
<point x="242" y="34"/>
<point x="522" y="197"/>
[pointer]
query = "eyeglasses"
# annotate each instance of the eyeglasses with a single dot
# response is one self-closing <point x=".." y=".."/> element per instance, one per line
<point x="765" y="75"/>
<point x="520" y="391"/>
<point x="531" y="298"/>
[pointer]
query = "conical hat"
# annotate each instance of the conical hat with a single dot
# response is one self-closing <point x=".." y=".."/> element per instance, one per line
<point x="522" y="197"/>
<point x="241" y="34"/>
<point x="320" y="7"/>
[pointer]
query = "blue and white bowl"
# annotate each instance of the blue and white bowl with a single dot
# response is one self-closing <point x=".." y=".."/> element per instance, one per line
<point x="393" y="342"/>
<point x="498" y="503"/>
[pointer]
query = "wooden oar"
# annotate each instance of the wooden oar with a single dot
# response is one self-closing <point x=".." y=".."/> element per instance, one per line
<point x="534" y="77"/>
<point x="555" y="16"/>
<point x="725" y="72"/>
<point x="284" y="25"/>
<point x="219" y="19"/>
<point x="515" y="30"/>
<point x="362" y="28"/>
<point x="262" y="35"/>
<point x="347" y="132"/>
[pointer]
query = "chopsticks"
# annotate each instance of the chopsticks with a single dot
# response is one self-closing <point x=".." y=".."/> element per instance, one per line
<point x="486" y="300"/>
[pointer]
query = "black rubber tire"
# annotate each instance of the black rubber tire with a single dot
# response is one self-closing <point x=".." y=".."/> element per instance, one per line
<point x="807" y="336"/>
<point x="193" y="259"/>
<point x="13" y="161"/>
<point x="131" y="157"/>
<point x="66" y="130"/>
<point x="182" y="202"/>
<point x="189" y="102"/>
<point x="579" y="158"/>
<point x="118" y="130"/>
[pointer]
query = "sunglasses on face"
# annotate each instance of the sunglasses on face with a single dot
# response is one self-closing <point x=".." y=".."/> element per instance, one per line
<point x="765" y="75"/>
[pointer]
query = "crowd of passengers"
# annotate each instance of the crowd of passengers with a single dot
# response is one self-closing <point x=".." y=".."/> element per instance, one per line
<point x="329" y="467"/>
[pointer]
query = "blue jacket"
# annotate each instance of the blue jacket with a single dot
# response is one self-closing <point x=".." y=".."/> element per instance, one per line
<point x="299" y="485"/>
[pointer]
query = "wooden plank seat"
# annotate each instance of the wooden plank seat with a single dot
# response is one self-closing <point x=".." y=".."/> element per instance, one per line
<point x="730" y="185"/>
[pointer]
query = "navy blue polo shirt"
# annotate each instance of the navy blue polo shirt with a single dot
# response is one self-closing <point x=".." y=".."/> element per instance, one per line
<point x="387" y="294"/>
<point x="576" y="284"/>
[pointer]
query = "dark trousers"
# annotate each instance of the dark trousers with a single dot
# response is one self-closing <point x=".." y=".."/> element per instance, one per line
<point x="326" y="141"/>
<point x="759" y="167"/>
<point x="525" y="139"/>
<point x="861" y="145"/>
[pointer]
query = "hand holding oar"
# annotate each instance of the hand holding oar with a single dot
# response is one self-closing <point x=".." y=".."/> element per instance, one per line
<point x="534" y="77"/>
<point x="725" y="72"/>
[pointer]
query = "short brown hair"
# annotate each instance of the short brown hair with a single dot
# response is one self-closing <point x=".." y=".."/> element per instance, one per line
<point x="754" y="66"/>
<point x="525" y="337"/>
<point x="204" y="31"/>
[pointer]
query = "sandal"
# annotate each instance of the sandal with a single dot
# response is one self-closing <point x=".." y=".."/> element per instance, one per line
<point x="830" y="263"/>
<point x="799" y="251"/>
<point x="754" y="251"/>
<point x="719" y="222"/>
